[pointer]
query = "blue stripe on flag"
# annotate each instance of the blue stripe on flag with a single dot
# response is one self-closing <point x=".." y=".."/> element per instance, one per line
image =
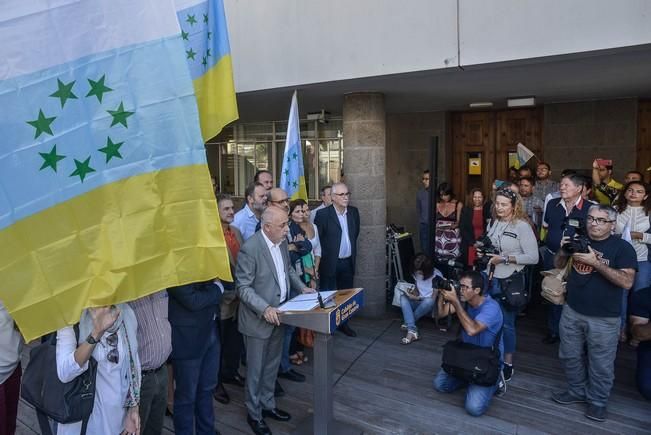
<point x="155" y="138"/>
<point x="199" y="47"/>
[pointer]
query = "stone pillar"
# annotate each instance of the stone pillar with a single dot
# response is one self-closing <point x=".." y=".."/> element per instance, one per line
<point x="364" y="169"/>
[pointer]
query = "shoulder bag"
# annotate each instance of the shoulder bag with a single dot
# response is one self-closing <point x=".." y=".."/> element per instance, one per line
<point x="471" y="363"/>
<point x="514" y="291"/>
<point x="69" y="402"/>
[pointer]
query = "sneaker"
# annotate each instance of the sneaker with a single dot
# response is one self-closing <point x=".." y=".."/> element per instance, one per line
<point x="596" y="413"/>
<point x="507" y="371"/>
<point x="566" y="398"/>
<point x="501" y="386"/>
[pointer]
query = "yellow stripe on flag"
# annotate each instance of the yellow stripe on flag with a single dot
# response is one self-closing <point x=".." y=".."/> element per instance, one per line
<point x="216" y="98"/>
<point x="302" y="190"/>
<point x="116" y="243"/>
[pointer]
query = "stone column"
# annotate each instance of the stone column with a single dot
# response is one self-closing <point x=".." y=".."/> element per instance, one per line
<point x="364" y="169"/>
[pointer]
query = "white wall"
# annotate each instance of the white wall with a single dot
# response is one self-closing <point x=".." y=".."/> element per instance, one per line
<point x="284" y="43"/>
<point x="281" y="43"/>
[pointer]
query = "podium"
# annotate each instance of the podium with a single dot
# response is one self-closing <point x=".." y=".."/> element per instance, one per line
<point x="324" y="322"/>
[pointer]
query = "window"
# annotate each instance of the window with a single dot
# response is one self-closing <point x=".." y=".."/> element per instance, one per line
<point x="244" y="148"/>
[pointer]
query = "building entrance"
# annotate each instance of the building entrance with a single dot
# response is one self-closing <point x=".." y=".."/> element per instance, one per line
<point x="484" y="145"/>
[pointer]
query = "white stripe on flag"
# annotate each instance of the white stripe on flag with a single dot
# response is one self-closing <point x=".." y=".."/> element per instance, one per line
<point x="26" y="29"/>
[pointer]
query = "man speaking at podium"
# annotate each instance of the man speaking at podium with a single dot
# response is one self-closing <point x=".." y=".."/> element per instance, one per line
<point x="264" y="281"/>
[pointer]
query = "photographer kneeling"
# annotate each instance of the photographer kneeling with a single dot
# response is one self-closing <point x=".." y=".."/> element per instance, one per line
<point x="590" y="322"/>
<point x="481" y="324"/>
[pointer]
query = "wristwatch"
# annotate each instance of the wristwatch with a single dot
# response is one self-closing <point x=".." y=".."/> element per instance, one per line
<point x="91" y="340"/>
<point x="506" y="259"/>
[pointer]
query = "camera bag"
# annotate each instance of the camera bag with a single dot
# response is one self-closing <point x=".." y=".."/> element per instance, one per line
<point x="514" y="291"/>
<point x="471" y="363"/>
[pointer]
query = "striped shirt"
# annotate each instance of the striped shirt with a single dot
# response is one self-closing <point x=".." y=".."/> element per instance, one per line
<point x="154" y="330"/>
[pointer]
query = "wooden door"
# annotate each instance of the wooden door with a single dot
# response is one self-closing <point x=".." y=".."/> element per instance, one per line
<point x="473" y="135"/>
<point x="513" y="127"/>
<point x="491" y="136"/>
<point x="644" y="137"/>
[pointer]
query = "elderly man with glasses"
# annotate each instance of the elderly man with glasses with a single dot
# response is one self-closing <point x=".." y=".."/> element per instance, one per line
<point x="590" y="322"/>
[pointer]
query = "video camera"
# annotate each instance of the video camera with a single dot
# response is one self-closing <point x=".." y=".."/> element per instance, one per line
<point x="485" y="247"/>
<point x="579" y="241"/>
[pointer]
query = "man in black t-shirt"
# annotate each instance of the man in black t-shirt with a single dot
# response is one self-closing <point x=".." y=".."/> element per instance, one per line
<point x="589" y="327"/>
<point x="641" y="331"/>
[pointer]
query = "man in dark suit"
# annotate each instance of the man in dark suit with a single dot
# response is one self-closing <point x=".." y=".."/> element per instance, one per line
<point x="338" y="226"/>
<point x="264" y="280"/>
<point x="194" y="316"/>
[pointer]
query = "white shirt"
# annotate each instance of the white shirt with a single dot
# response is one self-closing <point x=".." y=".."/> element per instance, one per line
<point x="277" y="257"/>
<point x="345" y="250"/>
<point x="313" y="212"/>
<point x="316" y="242"/>
<point x="11" y="344"/>
<point x="246" y="221"/>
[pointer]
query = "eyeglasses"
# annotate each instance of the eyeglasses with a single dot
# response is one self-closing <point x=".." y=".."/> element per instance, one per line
<point x="280" y="201"/>
<point x="600" y="221"/>
<point x="113" y="355"/>
<point x="347" y="194"/>
<point x="465" y="287"/>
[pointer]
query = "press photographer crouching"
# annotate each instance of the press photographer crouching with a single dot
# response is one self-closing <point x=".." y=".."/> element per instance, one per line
<point x="512" y="237"/>
<point x="590" y="322"/>
<point x="481" y="326"/>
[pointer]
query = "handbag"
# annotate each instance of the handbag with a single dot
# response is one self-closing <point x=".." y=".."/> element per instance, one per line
<point x="306" y="337"/>
<point x="515" y="293"/>
<point x="68" y="402"/>
<point x="471" y="363"/>
<point x="400" y="288"/>
<point x="553" y="284"/>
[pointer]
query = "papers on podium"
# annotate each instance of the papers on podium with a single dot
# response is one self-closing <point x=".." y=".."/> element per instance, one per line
<point x="306" y="301"/>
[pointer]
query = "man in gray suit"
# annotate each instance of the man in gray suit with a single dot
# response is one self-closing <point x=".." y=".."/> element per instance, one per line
<point x="264" y="281"/>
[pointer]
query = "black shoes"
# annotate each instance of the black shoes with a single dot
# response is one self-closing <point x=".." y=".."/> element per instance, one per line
<point x="566" y="398"/>
<point x="551" y="339"/>
<point x="221" y="395"/>
<point x="596" y="413"/>
<point x="347" y="330"/>
<point x="292" y="375"/>
<point x="507" y="371"/>
<point x="259" y="427"/>
<point x="276" y="414"/>
<point x="278" y="390"/>
<point x="235" y="380"/>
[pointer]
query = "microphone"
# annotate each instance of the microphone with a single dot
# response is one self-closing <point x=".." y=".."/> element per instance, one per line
<point x="320" y="299"/>
<point x="491" y="272"/>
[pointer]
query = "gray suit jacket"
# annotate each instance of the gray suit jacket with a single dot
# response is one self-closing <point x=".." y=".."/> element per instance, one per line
<point x="257" y="285"/>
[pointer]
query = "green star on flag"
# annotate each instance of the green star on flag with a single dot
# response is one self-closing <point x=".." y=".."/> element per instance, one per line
<point x="120" y="115"/>
<point x="51" y="159"/>
<point x="208" y="53"/>
<point x="204" y="61"/>
<point x="209" y="35"/>
<point x="185" y="35"/>
<point x="191" y="20"/>
<point x="190" y="54"/>
<point x="98" y="88"/>
<point x="83" y="168"/>
<point x="64" y="92"/>
<point x="111" y="149"/>
<point x="205" y="18"/>
<point x="42" y="124"/>
<point x="294" y="156"/>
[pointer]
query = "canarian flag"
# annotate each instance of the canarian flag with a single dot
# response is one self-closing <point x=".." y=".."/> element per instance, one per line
<point x="208" y="53"/>
<point x="292" y="177"/>
<point x="524" y="154"/>
<point x="105" y="195"/>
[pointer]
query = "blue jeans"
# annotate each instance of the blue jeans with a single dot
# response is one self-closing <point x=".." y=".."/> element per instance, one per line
<point x="587" y="352"/>
<point x="195" y="381"/>
<point x="478" y="397"/>
<point x="508" y="331"/>
<point x="414" y="310"/>
<point x="285" y="364"/>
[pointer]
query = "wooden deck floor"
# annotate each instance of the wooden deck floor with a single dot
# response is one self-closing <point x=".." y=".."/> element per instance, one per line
<point x="384" y="387"/>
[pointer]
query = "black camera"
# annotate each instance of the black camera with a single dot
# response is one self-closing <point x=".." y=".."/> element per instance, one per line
<point x="485" y="247"/>
<point x="579" y="240"/>
<point x="448" y="284"/>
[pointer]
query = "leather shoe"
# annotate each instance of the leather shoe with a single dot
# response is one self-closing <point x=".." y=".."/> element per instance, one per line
<point x="551" y="339"/>
<point x="278" y="390"/>
<point x="238" y="380"/>
<point x="221" y="395"/>
<point x="276" y="414"/>
<point x="292" y="375"/>
<point x="347" y="330"/>
<point x="259" y="427"/>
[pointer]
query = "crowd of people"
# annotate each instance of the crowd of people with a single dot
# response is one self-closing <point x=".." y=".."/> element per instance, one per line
<point x="592" y="230"/>
<point x="173" y="352"/>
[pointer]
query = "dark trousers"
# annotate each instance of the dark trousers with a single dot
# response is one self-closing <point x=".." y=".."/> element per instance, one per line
<point x="342" y="279"/>
<point x="195" y="381"/>
<point x="232" y="345"/>
<point x="153" y="401"/>
<point x="9" y="394"/>
<point x="643" y="373"/>
<point x="553" y="311"/>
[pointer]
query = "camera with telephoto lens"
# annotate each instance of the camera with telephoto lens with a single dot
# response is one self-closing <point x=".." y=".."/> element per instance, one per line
<point x="578" y="242"/>
<point x="485" y="247"/>
<point x="448" y="284"/>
